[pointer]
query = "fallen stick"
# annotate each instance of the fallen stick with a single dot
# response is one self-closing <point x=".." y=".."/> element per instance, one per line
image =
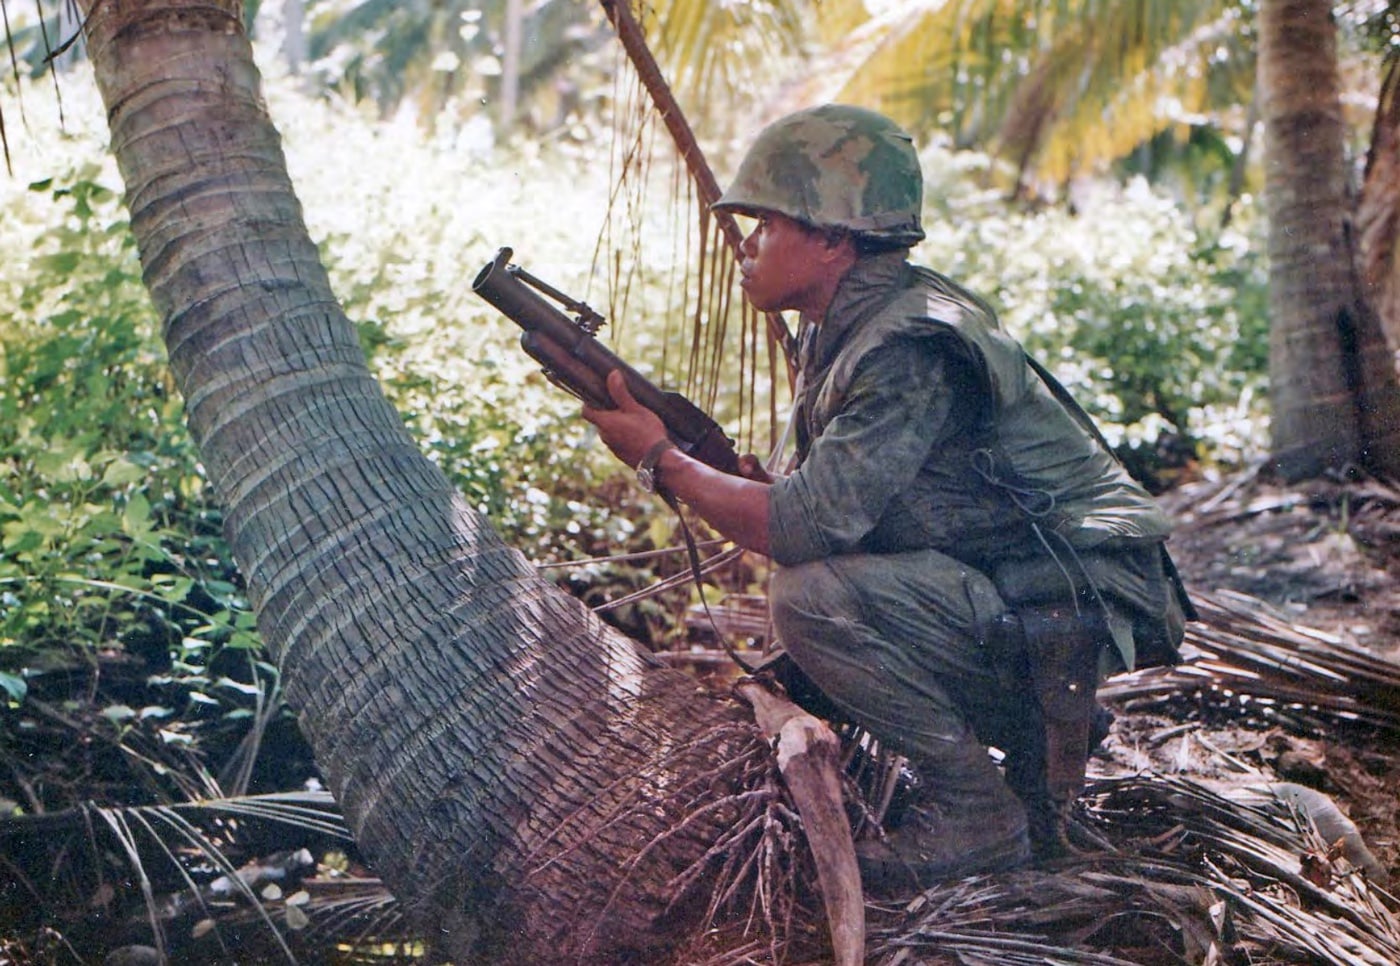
<point x="808" y="753"/>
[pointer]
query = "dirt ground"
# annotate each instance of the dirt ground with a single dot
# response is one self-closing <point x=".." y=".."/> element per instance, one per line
<point x="1323" y="556"/>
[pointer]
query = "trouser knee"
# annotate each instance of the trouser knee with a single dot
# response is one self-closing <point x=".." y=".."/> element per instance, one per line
<point x="805" y="599"/>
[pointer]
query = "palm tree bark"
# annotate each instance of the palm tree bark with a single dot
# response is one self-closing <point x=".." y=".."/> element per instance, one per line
<point x="1333" y="387"/>
<point x="1378" y="211"/>
<point x="519" y="774"/>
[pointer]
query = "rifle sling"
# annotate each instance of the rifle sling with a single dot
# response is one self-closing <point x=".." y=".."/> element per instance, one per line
<point x="697" y="571"/>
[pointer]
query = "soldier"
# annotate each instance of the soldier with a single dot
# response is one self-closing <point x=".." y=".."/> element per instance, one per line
<point x="949" y="500"/>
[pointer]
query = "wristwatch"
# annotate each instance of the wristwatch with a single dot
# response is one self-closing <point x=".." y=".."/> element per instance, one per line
<point x="648" y="473"/>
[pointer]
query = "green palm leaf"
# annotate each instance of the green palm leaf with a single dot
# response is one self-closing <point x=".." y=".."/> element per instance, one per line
<point x="1059" y="87"/>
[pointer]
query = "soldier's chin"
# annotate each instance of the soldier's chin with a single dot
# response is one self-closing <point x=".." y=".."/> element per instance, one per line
<point x="757" y="299"/>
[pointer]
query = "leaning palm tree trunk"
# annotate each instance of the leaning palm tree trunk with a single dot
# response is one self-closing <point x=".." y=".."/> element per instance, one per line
<point x="519" y="774"/>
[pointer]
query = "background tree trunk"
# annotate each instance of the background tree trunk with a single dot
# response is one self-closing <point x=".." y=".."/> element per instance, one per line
<point x="1378" y="212"/>
<point x="1332" y="381"/>
<point x="517" y="772"/>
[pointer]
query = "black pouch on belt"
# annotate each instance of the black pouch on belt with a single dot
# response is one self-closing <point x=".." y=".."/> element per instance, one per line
<point x="1063" y="648"/>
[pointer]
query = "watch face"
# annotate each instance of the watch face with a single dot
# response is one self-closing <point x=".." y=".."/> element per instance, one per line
<point x="646" y="479"/>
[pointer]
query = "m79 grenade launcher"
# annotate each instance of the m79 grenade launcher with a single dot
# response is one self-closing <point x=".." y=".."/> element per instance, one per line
<point x="575" y="361"/>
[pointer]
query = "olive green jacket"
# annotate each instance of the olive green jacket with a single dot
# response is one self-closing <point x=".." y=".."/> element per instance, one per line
<point x="923" y="425"/>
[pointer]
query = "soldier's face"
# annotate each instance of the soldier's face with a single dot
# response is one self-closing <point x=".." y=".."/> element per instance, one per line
<point x="787" y="265"/>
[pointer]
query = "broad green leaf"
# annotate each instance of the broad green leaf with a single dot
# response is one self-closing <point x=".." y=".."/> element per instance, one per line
<point x="174" y="589"/>
<point x="63" y="464"/>
<point x="136" y="517"/>
<point x="60" y="264"/>
<point x="122" y="472"/>
<point x="249" y="689"/>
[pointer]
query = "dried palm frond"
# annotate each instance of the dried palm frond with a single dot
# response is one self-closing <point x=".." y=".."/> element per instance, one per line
<point x="353" y="915"/>
<point x="1244" y="652"/>
<point x="715" y="362"/>
<point x="1257" y="852"/>
<point x="1192" y="877"/>
<point x="754" y="879"/>
<point x="198" y="877"/>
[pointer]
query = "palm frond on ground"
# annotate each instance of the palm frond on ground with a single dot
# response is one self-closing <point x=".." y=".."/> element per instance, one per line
<point x="1246" y="652"/>
<point x="1190" y="876"/>
<point x="203" y="881"/>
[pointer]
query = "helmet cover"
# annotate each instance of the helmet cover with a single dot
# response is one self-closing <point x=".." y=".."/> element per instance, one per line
<point x="834" y="166"/>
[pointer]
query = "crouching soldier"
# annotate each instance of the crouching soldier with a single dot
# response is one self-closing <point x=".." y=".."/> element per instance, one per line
<point x="960" y="556"/>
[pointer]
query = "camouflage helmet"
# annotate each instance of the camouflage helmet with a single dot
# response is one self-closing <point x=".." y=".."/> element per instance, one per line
<point x="834" y="166"/>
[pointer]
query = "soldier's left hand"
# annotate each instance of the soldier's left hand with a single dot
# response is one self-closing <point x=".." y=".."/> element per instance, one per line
<point x="631" y="429"/>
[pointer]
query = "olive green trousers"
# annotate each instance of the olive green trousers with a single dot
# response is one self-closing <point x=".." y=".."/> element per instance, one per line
<point x="894" y="641"/>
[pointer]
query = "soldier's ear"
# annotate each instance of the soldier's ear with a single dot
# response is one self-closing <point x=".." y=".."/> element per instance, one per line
<point x="840" y="247"/>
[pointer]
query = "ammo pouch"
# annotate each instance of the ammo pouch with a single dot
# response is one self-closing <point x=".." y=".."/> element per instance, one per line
<point x="1055" y="650"/>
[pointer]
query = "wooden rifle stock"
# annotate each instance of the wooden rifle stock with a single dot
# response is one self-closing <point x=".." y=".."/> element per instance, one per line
<point x="577" y="362"/>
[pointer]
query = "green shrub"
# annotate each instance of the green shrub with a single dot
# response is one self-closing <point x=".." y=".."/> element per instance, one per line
<point x="1159" y="329"/>
<point x="111" y="544"/>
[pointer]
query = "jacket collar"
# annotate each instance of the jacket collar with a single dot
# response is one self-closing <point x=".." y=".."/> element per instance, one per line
<point x="870" y="284"/>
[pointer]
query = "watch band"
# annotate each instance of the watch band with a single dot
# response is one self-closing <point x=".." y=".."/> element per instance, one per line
<point x="648" y="473"/>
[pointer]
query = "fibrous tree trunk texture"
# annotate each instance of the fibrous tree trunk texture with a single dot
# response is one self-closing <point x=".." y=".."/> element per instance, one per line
<point x="1378" y="210"/>
<point x="520" y="775"/>
<point x="1332" y="382"/>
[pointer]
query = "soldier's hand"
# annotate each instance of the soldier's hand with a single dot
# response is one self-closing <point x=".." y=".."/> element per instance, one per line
<point x="631" y="429"/>
<point x="752" y="468"/>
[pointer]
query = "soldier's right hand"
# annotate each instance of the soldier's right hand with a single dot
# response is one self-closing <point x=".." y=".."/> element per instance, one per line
<point x="751" y="468"/>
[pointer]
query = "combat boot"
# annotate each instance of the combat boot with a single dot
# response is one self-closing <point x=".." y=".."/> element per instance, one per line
<point x="966" y="822"/>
